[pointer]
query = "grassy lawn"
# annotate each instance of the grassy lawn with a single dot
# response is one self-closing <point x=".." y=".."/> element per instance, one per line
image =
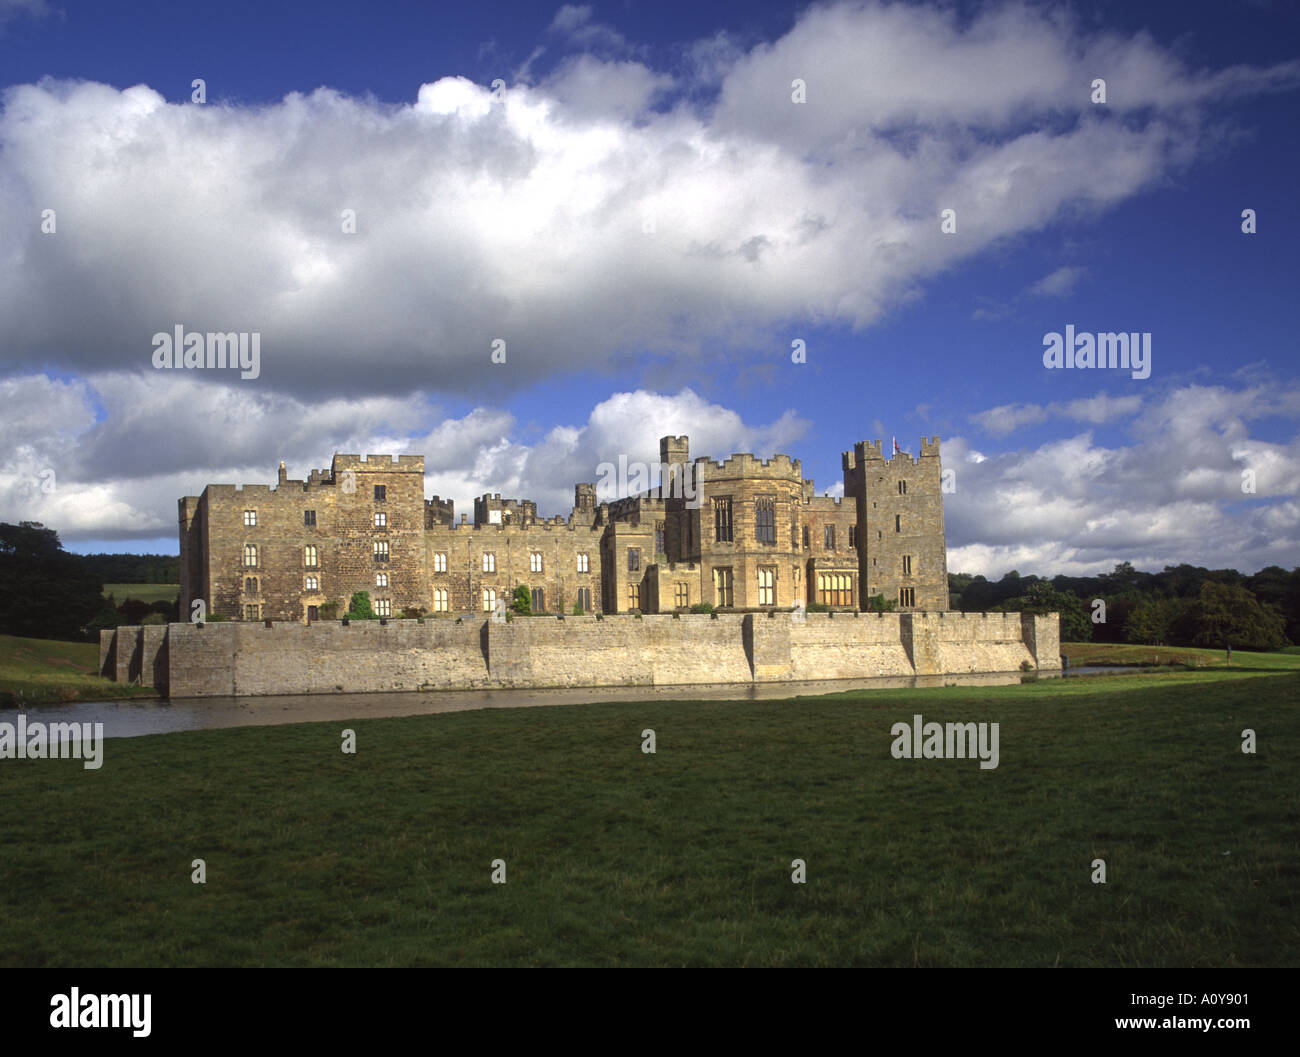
<point x="33" y="671"/>
<point x="1104" y="653"/>
<point x="615" y="857"/>
<point x="142" y="592"/>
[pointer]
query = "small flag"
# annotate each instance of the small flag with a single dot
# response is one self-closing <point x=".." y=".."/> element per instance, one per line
<point x="897" y="449"/>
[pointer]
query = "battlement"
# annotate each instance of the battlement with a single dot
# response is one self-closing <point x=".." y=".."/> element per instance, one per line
<point x="378" y="463"/>
<point x="439" y="511"/>
<point x="506" y="511"/>
<point x="823" y="502"/>
<point x="864" y="452"/>
<point x="744" y="464"/>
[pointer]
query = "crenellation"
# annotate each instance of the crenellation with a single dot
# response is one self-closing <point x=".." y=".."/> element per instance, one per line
<point x="752" y="535"/>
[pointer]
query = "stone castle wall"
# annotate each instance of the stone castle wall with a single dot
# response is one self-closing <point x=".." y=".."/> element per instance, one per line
<point x="241" y="659"/>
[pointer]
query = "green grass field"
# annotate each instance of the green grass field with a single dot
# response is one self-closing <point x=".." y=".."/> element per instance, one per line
<point x="614" y="857"/>
<point x="34" y="671"/>
<point x="143" y="592"/>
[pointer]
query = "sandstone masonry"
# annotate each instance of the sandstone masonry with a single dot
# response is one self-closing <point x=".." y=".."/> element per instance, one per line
<point x="244" y="659"/>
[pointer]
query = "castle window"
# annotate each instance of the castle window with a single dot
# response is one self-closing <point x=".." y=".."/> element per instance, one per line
<point x="633" y="596"/>
<point x="381" y="520"/>
<point x="381" y="493"/>
<point x="252" y="611"/>
<point x="660" y="548"/>
<point x="440" y="600"/>
<point x="309" y="517"/>
<point x="907" y="596"/>
<point x="722" y="520"/>
<point x="853" y="536"/>
<point x="309" y="558"/>
<point x="250" y="518"/>
<point x="902" y="488"/>
<point x="440" y="563"/>
<point x="535" y="562"/>
<point x="633" y="559"/>
<point x="381" y="579"/>
<point x="765" y="520"/>
<point x="381" y="550"/>
<point x="250" y="584"/>
<point x="250" y="554"/>
<point x="383" y="607"/>
<point x="794" y="535"/>
<point x="583" y="563"/>
<point x="489" y="599"/>
<point x="835" y="589"/>
<point x="539" y="600"/>
<point x="767" y="586"/>
<point x="584" y="599"/>
<point x="898" y="522"/>
<point x="828" y="534"/>
<point x="313" y="613"/>
<point x="806" y="544"/>
<point x="489" y="562"/>
<point x="722" y="586"/>
<point x="312" y="583"/>
<point x="682" y="597"/>
<point x="907" y="565"/>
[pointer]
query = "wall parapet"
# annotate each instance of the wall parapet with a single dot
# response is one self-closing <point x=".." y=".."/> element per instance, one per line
<point x="235" y="659"/>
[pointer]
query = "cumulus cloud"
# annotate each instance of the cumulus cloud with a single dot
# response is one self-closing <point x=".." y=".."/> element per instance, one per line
<point x="1172" y="493"/>
<point x="65" y="442"/>
<point x="601" y="214"/>
<point x="1098" y="410"/>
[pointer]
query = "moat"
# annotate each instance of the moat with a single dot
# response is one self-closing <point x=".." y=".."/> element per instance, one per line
<point x="133" y="718"/>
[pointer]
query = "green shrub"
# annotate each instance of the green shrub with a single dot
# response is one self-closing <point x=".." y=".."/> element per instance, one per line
<point x="522" y="602"/>
<point x="702" y="607"/>
<point x="359" y="607"/>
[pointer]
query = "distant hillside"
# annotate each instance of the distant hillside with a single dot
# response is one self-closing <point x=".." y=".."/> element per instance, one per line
<point x="132" y="568"/>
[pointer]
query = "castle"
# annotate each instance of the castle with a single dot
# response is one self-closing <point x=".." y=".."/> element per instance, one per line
<point x="790" y="575"/>
<point x="743" y="534"/>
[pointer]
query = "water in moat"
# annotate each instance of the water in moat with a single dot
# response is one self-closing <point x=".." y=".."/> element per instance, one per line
<point x="132" y="718"/>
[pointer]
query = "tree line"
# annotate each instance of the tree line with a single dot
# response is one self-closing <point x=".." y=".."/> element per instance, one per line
<point x="1183" y="605"/>
<point x="47" y="593"/>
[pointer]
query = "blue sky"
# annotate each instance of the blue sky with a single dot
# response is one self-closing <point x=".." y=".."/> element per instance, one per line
<point x="648" y="219"/>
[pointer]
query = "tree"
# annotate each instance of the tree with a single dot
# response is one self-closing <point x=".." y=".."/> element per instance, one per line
<point x="1153" y="620"/>
<point x="1042" y="597"/>
<point x="359" y="607"/>
<point x="45" y="592"/>
<point x="522" y="602"/>
<point x="1229" y="615"/>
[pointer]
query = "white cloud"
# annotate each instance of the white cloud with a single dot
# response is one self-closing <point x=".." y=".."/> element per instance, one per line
<point x="1059" y="283"/>
<point x="1170" y="494"/>
<point x="522" y="217"/>
<point x="191" y="434"/>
